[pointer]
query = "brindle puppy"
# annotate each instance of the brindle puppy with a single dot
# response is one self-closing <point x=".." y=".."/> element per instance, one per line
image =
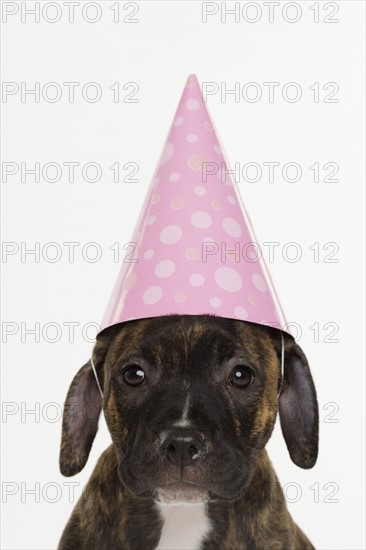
<point x="190" y="402"/>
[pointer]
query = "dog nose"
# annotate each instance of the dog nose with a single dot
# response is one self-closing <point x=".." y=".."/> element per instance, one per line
<point x="183" y="449"/>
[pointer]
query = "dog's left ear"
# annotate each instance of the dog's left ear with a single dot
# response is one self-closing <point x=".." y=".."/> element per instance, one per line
<point x="298" y="408"/>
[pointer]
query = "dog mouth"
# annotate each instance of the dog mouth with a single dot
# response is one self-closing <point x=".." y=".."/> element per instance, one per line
<point x="178" y="491"/>
<point x="166" y="483"/>
<point x="181" y="492"/>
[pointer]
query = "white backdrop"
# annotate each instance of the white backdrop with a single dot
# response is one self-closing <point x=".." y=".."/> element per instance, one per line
<point x="299" y="73"/>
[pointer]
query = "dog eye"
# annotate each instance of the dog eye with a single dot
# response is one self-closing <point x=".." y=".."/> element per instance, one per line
<point x="134" y="375"/>
<point x="241" y="376"/>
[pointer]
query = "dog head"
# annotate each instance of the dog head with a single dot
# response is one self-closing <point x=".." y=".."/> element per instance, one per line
<point x="190" y="403"/>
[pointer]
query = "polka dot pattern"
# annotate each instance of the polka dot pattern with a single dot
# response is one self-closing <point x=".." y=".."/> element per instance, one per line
<point x="216" y="205"/>
<point x="170" y="234"/>
<point x="228" y="279"/>
<point x="215" y="302"/>
<point x="191" y="254"/>
<point x="175" y="176"/>
<point x="231" y="227"/>
<point x="192" y="138"/>
<point x="259" y="282"/>
<point x="241" y="313"/>
<point x="130" y="281"/>
<point x="167" y="153"/>
<point x="193" y="104"/>
<point x="201" y="220"/>
<point x="180" y="297"/>
<point x="177" y="203"/>
<point x="164" y="269"/>
<point x="197" y="279"/>
<point x="152" y="295"/>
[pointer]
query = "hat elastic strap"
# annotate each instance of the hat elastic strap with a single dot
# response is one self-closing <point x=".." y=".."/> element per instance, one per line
<point x="96" y="376"/>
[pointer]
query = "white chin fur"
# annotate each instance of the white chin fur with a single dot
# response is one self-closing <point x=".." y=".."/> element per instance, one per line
<point x="181" y="494"/>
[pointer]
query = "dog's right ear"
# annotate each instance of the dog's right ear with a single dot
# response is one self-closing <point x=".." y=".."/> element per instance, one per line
<point x="82" y="408"/>
<point x="80" y="421"/>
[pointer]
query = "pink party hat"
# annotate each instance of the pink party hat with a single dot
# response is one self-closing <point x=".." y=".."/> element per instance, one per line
<point x="195" y="251"/>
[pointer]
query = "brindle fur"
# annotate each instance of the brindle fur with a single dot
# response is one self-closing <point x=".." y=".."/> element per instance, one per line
<point x="246" y="505"/>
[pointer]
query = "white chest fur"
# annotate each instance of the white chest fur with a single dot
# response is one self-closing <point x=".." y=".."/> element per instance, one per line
<point x="185" y="526"/>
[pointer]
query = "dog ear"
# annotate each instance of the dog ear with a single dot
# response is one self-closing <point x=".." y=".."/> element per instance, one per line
<point x="80" y="421"/>
<point x="82" y="408"/>
<point x="298" y="408"/>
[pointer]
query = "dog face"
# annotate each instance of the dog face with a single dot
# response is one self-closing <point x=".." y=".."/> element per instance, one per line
<point x="190" y="402"/>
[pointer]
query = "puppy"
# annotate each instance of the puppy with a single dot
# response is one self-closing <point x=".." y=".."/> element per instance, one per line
<point x="190" y="402"/>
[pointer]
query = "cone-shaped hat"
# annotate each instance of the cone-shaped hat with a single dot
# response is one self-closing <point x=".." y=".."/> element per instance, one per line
<point x="194" y="251"/>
